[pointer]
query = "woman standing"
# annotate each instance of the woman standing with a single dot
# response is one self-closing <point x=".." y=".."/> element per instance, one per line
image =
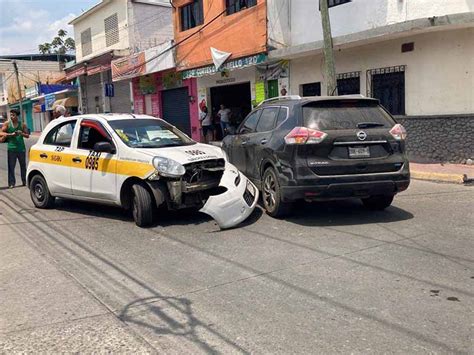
<point x="206" y="124"/>
<point x="15" y="130"/>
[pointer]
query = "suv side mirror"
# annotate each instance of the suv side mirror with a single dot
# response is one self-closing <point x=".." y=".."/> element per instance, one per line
<point x="104" y="147"/>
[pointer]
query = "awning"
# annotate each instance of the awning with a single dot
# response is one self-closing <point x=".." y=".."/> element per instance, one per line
<point x="67" y="102"/>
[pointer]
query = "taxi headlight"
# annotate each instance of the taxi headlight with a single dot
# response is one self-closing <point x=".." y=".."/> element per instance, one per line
<point x="168" y="167"/>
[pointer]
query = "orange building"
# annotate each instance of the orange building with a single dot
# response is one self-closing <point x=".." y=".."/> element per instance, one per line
<point x="238" y="27"/>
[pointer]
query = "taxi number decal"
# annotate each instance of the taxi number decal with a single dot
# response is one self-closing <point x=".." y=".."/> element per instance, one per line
<point x="59" y="149"/>
<point x="56" y="158"/>
<point x="92" y="160"/>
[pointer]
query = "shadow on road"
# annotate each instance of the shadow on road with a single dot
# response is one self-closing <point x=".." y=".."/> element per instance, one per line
<point x="342" y="213"/>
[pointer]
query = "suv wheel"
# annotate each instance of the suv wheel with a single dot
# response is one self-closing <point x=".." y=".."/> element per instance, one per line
<point x="39" y="192"/>
<point x="142" y="206"/>
<point x="271" y="195"/>
<point x="378" y="203"/>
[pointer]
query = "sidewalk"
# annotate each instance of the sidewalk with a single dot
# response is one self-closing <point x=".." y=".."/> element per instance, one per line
<point x="452" y="173"/>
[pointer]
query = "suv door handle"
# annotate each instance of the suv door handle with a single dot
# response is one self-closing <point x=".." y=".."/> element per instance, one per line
<point x="43" y="155"/>
<point x="77" y="160"/>
<point x="264" y="141"/>
<point x="244" y="143"/>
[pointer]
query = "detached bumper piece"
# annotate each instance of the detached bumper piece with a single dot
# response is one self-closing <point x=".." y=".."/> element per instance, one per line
<point x="236" y="204"/>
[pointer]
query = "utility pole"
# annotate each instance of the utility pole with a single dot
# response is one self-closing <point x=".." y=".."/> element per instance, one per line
<point x="329" y="66"/>
<point x="15" y="68"/>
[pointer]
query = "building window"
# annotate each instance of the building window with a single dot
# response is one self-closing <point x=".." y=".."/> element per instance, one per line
<point x="234" y="6"/>
<point x="86" y="42"/>
<point x="388" y="86"/>
<point x="348" y="83"/>
<point x="311" y="89"/>
<point x="332" y="3"/>
<point x="191" y="15"/>
<point x="111" y="30"/>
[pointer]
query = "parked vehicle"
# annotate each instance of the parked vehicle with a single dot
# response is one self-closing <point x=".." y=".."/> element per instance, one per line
<point x="321" y="148"/>
<point x="139" y="163"/>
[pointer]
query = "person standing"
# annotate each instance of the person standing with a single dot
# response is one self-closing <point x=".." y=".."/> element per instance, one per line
<point x="59" y="112"/>
<point x="206" y="124"/>
<point x="224" y="115"/>
<point x="15" y="131"/>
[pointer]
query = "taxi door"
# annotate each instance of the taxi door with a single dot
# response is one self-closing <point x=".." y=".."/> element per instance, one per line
<point x="93" y="174"/>
<point x="53" y="157"/>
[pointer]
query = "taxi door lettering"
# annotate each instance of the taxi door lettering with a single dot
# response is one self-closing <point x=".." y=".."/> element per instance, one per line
<point x="92" y="160"/>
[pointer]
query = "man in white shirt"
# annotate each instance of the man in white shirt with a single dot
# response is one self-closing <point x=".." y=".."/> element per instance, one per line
<point x="59" y="111"/>
<point x="224" y="115"/>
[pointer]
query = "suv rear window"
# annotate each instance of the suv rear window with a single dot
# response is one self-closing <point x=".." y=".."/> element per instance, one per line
<point x="348" y="114"/>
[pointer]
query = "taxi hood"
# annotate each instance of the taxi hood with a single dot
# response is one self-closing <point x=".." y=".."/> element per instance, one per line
<point x="185" y="154"/>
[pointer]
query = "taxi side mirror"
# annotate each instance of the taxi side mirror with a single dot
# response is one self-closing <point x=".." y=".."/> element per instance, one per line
<point x="104" y="147"/>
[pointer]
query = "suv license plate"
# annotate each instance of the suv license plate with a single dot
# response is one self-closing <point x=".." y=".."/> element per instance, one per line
<point x="359" y="152"/>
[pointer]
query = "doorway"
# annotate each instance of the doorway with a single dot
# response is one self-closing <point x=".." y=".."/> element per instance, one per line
<point x="235" y="97"/>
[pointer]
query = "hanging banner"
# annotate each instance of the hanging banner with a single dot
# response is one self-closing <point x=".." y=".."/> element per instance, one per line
<point x="49" y="101"/>
<point x="231" y="65"/>
<point x="128" y="67"/>
<point x="97" y="69"/>
<point x="273" y="71"/>
<point x="219" y="57"/>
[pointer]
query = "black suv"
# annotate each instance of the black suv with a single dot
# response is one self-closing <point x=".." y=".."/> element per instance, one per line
<point x="321" y="148"/>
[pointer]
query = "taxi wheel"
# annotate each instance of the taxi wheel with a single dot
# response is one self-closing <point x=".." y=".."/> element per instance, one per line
<point x="39" y="192"/>
<point x="142" y="206"/>
<point x="271" y="195"/>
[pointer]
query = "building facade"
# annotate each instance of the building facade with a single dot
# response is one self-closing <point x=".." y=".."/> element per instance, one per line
<point x="414" y="56"/>
<point x="113" y="29"/>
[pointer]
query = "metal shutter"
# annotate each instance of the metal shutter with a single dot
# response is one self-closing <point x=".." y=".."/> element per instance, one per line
<point x="176" y="108"/>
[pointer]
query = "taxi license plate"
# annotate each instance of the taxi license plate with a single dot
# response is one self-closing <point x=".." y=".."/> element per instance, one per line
<point x="251" y="188"/>
<point x="359" y="152"/>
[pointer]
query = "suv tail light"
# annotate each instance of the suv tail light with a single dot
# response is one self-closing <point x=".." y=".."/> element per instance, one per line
<point x="303" y="135"/>
<point x="398" y="132"/>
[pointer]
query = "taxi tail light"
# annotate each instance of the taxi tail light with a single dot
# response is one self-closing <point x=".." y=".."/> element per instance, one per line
<point x="303" y="135"/>
<point x="398" y="132"/>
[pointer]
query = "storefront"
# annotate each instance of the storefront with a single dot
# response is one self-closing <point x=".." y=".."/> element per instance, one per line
<point x="167" y="96"/>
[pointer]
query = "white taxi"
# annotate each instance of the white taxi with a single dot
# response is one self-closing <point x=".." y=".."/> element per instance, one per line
<point x="137" y="162"/>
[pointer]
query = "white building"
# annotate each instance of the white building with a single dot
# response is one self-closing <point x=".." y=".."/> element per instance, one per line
<point x="415" y="56"/>
<point x="107" y="31"/>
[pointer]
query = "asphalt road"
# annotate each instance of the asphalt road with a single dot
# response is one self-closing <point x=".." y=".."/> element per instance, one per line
<point x="334" y="278"/>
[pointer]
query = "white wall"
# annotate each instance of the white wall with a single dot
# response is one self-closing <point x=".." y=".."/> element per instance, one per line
<point x="278" y="15"/>
<point x="153" y="25"/>
<point x="361" y="15"/>
<point x="95" y="21"/>
<point x="439" y="76"/>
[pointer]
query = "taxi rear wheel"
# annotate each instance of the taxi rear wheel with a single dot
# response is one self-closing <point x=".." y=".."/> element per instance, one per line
<point x="39" y="192"/>
<point x="142" y="206"/>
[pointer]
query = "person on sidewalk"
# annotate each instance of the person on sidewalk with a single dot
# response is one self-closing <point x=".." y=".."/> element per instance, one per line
<point x="59" y="112"/>
<point x="224" y="115"/>
<point x="206" y="124"/>
<point x="16" y="131"/>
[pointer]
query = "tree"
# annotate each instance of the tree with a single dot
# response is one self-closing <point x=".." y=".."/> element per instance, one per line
<point x="59" y="45"/>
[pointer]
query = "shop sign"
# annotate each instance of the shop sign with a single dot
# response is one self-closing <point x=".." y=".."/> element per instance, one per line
<point x="49" y="101"/>
<point x="147" y="85"/>
<point x="75" y="73"/>
<point x="109" y="90"/>
<point x="225" y="81"/>
<point x="259" y="92"/>
<point x="273" y="71"/>
<point x="231" y="65"/>
<point x="97" y="69"/>
<point x="31" y="92"/>
<point x="128" y="67"/>
<point x="172" y="80"/>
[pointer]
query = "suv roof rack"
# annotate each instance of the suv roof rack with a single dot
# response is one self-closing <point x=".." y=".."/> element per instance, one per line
<point x="289" y="97"/>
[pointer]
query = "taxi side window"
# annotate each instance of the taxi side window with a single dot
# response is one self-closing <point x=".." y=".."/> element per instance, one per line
<point x="61" y="135"/>
<point x="92" y="132"/>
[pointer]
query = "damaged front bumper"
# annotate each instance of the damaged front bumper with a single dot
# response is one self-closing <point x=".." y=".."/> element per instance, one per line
<point x="234" y="205"/>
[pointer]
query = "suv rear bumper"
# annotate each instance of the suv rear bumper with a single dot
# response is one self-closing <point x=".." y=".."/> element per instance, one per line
<point x="337" y="189"/>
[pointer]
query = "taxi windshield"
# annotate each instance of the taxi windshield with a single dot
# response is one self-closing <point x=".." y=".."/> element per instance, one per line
<point x="149" y="133"/>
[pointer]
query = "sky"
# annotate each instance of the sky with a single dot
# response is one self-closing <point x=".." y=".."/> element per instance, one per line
<point x="24" y="24"/>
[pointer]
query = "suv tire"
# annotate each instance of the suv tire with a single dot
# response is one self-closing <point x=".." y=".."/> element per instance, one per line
<point x="40" y="194"/>
<point x="378" y="203"/>
<point x="271" y="195"/>
<point x="142" y="206"/>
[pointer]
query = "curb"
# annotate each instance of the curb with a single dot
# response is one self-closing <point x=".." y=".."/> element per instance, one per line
<point x="439" y="177"/>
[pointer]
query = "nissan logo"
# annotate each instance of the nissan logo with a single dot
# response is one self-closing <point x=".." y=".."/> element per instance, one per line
<point x="361" y="135"/>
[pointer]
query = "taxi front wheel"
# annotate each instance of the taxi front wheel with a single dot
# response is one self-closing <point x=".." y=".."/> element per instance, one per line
<point x="39" y="192"/>
<point x="142" y="206"/>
